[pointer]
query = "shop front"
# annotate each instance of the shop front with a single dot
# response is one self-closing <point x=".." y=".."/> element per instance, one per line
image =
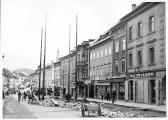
<point x="146" y="87"/>
<point x="118" y="84"/>
<point x="95" y="88"/>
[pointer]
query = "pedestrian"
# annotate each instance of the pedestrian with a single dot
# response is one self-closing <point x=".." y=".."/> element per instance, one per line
<point x="24" y="96"/>
<point x="3" y="94"/>
<point x="113" y="96"/>
<point x="19" y="95"/>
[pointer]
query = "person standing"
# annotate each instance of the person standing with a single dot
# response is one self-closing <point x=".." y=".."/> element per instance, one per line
<point x="113" y="96"/>
<point x="19" y="95"/>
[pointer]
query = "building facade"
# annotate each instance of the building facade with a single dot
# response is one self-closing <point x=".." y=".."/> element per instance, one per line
<point x="57" y="79"/>
<point x="100" y="65"/>
<point x="117" y="81"/>
<point x="146" y="77"/>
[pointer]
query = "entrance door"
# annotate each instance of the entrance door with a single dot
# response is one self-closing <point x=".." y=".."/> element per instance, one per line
<point x="153" y="91"/>
<point x="64" y="91"/>
<point x="131" y="90"/>
<point x="91" y="92"/>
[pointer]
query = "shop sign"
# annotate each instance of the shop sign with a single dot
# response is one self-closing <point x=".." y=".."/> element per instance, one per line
<point x="143" y="74"/>
<point x="117" y="80"/>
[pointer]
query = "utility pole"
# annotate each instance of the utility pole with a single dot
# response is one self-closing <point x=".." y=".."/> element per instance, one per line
<point x="69" y="60"/>
<point x="63" y="83"/>
<point x="76" y="70"/>
<point x="40" y="63"/>
<point x="44" y="60"/>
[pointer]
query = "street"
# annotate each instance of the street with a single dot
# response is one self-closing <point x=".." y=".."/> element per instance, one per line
<point x="14" y="109"/>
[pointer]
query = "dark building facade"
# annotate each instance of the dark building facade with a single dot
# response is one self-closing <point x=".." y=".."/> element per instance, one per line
<point x="119" y="60"/>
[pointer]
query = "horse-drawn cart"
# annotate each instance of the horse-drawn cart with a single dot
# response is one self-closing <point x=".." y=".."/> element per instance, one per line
<point x="90" y="107"/>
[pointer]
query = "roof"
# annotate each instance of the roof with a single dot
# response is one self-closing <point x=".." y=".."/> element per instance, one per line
<point x="143" y="6"/>
<point x="20" y="75"/>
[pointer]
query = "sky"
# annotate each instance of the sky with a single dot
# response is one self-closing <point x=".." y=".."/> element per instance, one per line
<point x="22" y="20"/>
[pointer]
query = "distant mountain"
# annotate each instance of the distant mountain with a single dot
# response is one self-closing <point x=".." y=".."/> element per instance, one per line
<point x="25" y="70"/>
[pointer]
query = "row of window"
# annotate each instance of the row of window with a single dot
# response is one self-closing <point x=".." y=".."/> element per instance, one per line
<point x="101" y="53"/>
<point x="139" y="28"/>
<point x="151" y="54"/>
<point x="108" y="68"/>
<point x="101" y="70"/>
<point x="117" y="45"/>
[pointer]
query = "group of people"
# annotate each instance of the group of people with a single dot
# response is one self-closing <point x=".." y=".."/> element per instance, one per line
<point x="107" y="96"/>
<point x="24" y="95"/>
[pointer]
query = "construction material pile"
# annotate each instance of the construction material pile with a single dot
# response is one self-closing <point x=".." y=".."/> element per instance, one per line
<point x="118" y="114"/>
<point x="47" y="103"/>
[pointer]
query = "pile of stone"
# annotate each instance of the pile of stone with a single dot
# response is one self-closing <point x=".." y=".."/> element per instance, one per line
<point x="47" y="103"/>
<point x="74" y="106"/>
<point x="118" y="114"/>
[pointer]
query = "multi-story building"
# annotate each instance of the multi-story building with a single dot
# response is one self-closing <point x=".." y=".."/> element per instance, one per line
<point x="82" y="67"/>
<point x="57" y="78"/>
<point x="100" y="65"/>
<point x="49" y="78"/>
<point x="64" y="74"/>
<point x="69" y="73"/>
<point x="119" y="59"/>
<point x="146" y="78"/>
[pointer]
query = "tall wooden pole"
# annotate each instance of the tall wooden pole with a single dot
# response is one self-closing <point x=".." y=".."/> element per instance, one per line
<point x="63" y="83"/>
<point x="44" y="59"/>
<point x="76" y="70"/>
<point x="40" y="62"/>
<point x="69" y="60"/>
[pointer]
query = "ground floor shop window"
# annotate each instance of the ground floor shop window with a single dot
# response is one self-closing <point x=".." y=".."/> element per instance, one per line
<point x="152" y="91"/>
<point x="163" y="90"/>
<point x="121" y="91"/>
<point x="131" y="90"/>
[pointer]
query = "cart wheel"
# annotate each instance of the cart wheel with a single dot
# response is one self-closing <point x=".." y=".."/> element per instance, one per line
<point x="83" y="113"/>
<point x="99" y="113"/>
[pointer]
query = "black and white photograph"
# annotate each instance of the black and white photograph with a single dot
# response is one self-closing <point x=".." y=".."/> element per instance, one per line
<point x="96" y="59"/>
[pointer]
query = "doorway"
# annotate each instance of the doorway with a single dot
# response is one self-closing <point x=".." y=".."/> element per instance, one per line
<point x="131" y="92"/>
<point x="152" y="91"/>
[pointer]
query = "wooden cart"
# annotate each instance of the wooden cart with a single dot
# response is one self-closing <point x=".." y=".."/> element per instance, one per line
<point x="90" y="107"/>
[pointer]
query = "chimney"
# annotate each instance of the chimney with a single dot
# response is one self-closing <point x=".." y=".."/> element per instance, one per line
<point x="133" y="6"/>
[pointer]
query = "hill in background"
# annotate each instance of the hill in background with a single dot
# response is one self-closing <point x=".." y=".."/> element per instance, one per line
<point x="25" y="70"/>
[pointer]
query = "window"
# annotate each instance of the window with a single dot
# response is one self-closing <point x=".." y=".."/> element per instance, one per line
<point x="116" y="46"/>
<point x="78" y="57"/>
<point x="94" y="56"/>
<point x="109" y="50"/>
<point x="151" y="23"/>
<point x="139" y="58"/>
<point x="151" y="55"/>
<point x="139" y="29"/>
<point x="123" y="44"/>
<point x="83" y="57"/>
<point x="105" y="51"/>
<point x="123" y="64"/>
<point x="116" y="65"/>
<point x="97" y="71"/>
<point x="101" y="53"/>
<point x="109" y="69"/>
<point x="130" y="33"/>
<point x="130" y="60"/>
<point x="97" y="54"/>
